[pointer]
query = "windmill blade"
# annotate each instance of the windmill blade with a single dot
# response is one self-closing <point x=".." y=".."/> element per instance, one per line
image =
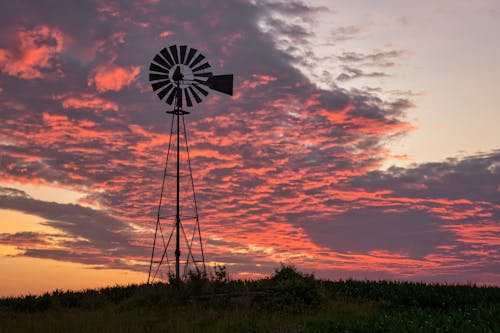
<point x="160" y="84"/>
<point x="182" y="50"/>
<point x="155" y="68"/>
<point x="200" y="89"/>
<point x="156" y="77"/>
<point x="196" y="97"/>
<point x="171" y="96"/>
<point x="199" y="58"/>
<point x="164" y="52"/>
<point x="221" y="83"/>
<point x="188" y="99"/>
<point x="165" y="91"/>
<point x="173" y="50"/>
<point x="161" y="61"/>
<point x="190" y="55"/>
<point x="201" y="67"/>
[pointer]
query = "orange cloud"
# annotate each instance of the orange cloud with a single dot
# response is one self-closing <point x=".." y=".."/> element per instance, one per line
<point x="35" y="52"/>
<point x="112" y="77"/>
<point x="87" y="101"/>
<point x="335" y="116"/>
<point x="166" y="33"/>
<point x="258" y="80"/>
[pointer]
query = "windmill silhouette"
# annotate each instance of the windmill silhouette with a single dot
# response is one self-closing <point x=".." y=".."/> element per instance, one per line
<point x="180" y="76"/>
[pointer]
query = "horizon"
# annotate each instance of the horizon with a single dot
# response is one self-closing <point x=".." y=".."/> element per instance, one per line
<point x="211" y="278"/>
<point x="361" y="140"/>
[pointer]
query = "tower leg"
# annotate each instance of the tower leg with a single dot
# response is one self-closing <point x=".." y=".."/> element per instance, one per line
<point x="177" y="214"/>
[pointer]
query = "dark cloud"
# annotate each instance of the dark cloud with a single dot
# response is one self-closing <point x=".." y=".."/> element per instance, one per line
<point x="378" y="58"/>
<point x="495" y="15"/>
<point x="82" y="229"/>
<point x="474" y="178"/>
<point x="404" y="21"/>
<point x="346" y="33"/>
<point x="351" y="73"/>
<point x="412" y="233"/>
<point x="293" y="8"/>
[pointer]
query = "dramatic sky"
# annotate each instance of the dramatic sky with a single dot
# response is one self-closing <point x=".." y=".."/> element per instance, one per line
<point x="362" y="139"/>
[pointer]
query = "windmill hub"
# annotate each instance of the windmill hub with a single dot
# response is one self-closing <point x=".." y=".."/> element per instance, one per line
<point x="180" y="73"/>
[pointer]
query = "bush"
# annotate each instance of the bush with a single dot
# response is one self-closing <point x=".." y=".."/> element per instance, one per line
<point x="196" y="283"/>
<point x="220" y="274"/>
<point x="293" y="291"/>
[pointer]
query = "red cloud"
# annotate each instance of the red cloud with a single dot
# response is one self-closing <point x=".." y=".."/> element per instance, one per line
<point x="258" y="80"/>
<point x="111" y="77"/>
<point x="87" y="101"/>
<point x="36" y="52"/>
<point x="166" y="33"/>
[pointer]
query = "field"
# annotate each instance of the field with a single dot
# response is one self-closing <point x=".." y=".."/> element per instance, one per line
<point x="289" y="301"/>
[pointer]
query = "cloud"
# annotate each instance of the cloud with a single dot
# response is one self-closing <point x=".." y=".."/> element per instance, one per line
<point x="495" y="15"/>
<point x="351" y="73"/>
<point x="346" y="33"/>
<point x="35" y="52"/>
<point x="86" y="101"/>
<point x="378" y="58"/>
<point x="473" y="178"/>
<point x="87" y="236"/>
<point x="112" y="77"/>
<point x="316" y="57"/>
<point x="410" y="233"/>
<point x="291" y="7"/>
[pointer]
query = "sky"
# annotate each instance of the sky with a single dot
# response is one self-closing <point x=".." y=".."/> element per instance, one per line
<point x="361" y="141"/>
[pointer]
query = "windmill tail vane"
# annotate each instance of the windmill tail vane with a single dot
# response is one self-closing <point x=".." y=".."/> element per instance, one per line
<point x="180" y="76"/>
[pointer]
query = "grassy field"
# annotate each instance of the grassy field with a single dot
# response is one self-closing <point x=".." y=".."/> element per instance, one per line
<point x="289" y="301"/>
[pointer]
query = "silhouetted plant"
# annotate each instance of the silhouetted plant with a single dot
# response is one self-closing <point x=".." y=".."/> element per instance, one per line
<point x="288" y="272"/>
<point x="172" y="279"/>
<point x="197" y="282"/>
<point x="293" y="291"/>
<point x="220" y="273"/>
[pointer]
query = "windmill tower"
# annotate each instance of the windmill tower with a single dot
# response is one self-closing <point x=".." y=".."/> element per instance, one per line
<point x="181" y="77"/>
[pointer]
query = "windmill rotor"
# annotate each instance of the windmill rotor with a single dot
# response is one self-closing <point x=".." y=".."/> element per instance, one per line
<point x="182" y="75"/>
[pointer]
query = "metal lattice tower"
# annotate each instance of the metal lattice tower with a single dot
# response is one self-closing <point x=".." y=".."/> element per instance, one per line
<point x="180" y="75"/>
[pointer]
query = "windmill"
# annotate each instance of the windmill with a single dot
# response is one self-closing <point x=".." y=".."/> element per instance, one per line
<point x="181" y="77"/>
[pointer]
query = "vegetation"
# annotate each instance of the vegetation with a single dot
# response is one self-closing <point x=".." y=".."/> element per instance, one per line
<point x="288" y="301"/>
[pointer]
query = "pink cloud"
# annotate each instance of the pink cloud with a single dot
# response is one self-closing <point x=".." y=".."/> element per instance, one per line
<point x="166" y="33"/>
<point x="36" y="50"/>
<point x="112" y="77"/>
<point x="87" y="101"/>
<point x="258" y="80"/>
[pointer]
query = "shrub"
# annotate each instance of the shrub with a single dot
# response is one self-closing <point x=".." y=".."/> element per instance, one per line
<point x="220" y="273"/>
<point x="197" y="282"/>
<point x="293" y="291"/>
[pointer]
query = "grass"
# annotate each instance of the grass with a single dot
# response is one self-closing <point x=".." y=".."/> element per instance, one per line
<point x="289" y="301"/>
